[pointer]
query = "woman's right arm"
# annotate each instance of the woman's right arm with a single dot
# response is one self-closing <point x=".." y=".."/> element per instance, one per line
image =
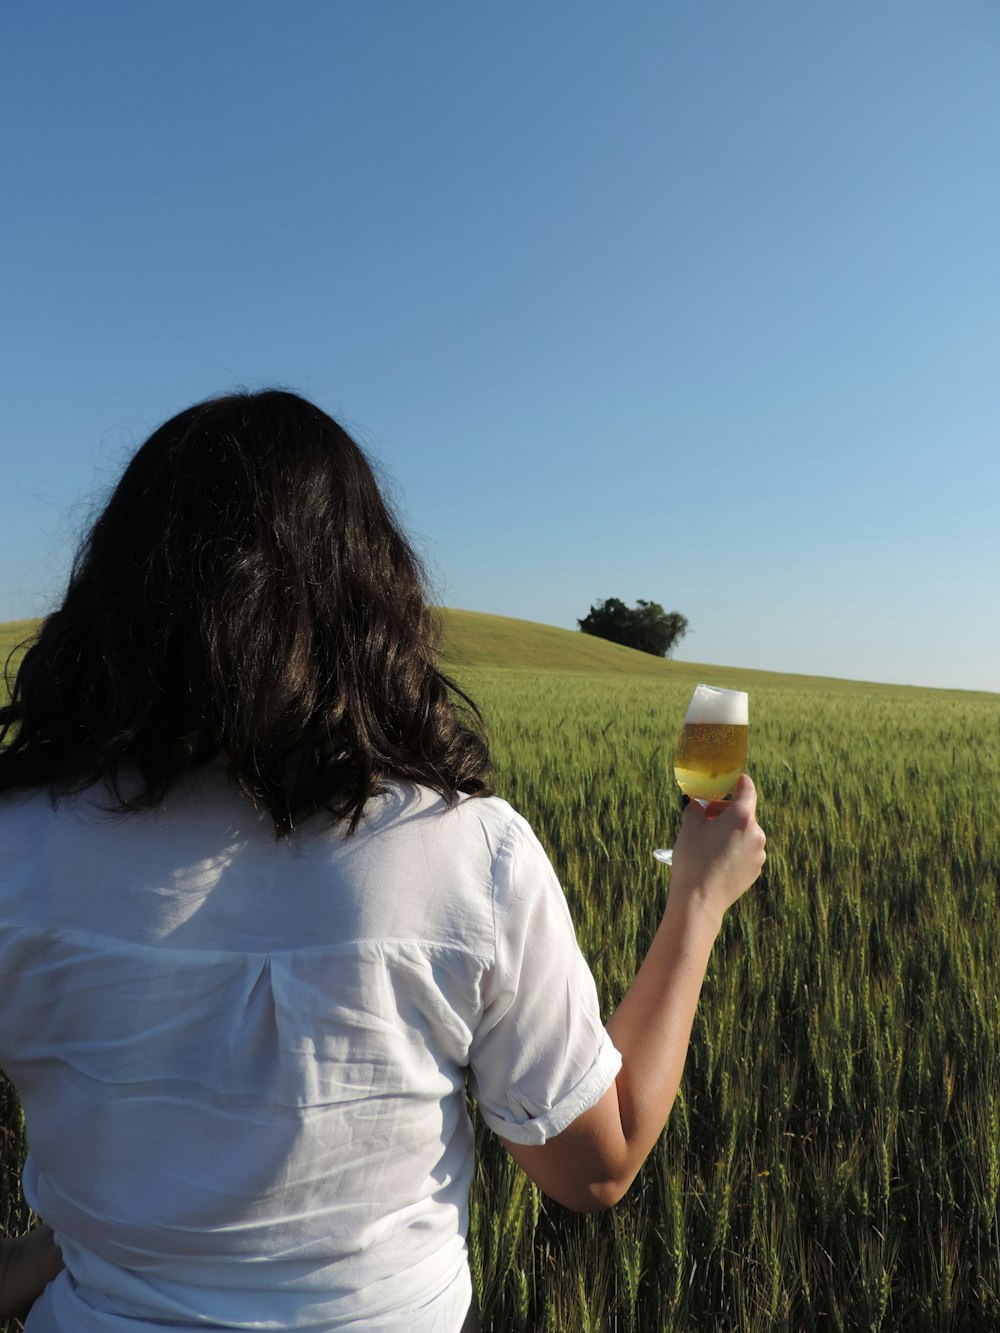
<point x="590" y="1165"/>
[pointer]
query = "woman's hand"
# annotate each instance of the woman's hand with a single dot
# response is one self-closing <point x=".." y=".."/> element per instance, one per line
<point x="27" y="1264"/>
<point x="719" y="851"/>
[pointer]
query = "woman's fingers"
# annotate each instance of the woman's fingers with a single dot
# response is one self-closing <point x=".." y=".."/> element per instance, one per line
<point x="743" y="799"/>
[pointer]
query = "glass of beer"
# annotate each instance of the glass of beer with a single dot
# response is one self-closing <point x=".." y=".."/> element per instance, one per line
<point x="711" y="749"/>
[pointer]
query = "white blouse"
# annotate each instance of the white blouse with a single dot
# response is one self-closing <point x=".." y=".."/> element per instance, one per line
<point x="243" y="1061"/>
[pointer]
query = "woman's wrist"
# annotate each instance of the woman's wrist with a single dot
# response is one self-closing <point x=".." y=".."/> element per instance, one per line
<point x="690" y="909"/>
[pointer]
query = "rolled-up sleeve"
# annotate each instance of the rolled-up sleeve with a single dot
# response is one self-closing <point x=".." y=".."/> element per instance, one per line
<point x="540" y="1054"/>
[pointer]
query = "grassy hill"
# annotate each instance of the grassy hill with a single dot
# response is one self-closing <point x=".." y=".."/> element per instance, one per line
<point x="475" y="639"/>
<point x="13" y="632"/>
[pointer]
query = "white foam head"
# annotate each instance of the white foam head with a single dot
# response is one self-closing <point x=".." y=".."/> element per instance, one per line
<point x="728" y="708"/>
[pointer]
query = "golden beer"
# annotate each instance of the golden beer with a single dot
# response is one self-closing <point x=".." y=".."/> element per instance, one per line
<point x="709" y="758"/>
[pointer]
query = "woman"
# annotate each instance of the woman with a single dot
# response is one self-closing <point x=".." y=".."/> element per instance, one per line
<point x="261" y="917"/>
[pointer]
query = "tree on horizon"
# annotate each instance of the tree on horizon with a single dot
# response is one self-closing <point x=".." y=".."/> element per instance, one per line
<point x="645" y="626"/>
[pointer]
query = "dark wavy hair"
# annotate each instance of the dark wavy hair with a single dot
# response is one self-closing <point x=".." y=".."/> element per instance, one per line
<point x="245" y="597"/>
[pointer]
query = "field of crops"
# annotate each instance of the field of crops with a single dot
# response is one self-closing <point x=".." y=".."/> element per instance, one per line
<point x="833" y="1158"/>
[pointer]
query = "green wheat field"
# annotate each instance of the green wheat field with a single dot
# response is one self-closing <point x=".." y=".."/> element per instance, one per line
<point x="833" y="1158"/>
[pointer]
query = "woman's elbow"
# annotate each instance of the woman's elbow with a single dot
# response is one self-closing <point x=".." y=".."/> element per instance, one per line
<point x="592" y="1196"/>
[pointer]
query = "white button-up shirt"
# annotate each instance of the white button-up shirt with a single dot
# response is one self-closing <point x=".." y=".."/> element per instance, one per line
<point x="243" y="1061"/>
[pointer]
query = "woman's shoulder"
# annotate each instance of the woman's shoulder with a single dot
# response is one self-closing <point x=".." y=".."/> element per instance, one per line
<point x="419" y="811"/>
<point x="482" y="838"/>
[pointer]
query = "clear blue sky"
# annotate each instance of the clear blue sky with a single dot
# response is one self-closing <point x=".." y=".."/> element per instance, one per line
<point x="691" y="301"/>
